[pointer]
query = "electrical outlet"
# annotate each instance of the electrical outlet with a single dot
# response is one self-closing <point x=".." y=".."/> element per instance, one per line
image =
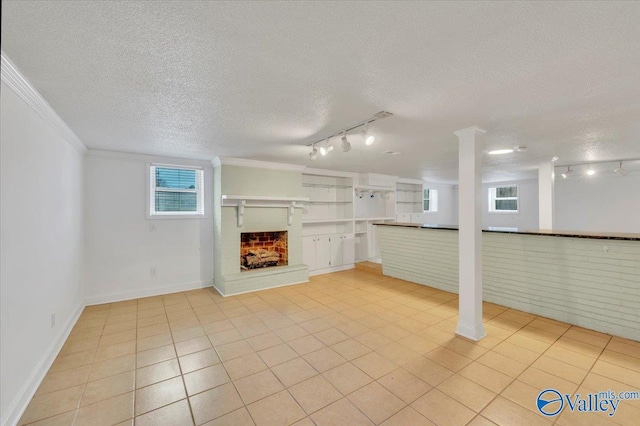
<point x="153" y="272"/>
<point x="53" y="320"/>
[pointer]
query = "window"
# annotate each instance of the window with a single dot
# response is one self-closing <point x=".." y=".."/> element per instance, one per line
<point x="429" y="200"/>
<point x="176" y="191"/>
<point x="503" y="199"/>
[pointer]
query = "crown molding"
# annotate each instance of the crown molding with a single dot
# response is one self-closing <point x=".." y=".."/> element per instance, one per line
<point x="324" y="172"/>
<point x="13" y="78"/>
<point x="243" y="162"/>
<point x="147" y="158"/>
<point x="411" y="181"/>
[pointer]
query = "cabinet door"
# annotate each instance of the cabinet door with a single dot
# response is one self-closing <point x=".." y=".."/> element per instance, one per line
<point x="348" y="249"/>
<point x="323" y="252"/>
<point x="336" y="250"/>
<point x="309" y="252"/>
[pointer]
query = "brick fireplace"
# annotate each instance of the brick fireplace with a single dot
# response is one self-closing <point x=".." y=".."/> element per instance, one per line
<point x="263" y="250"/>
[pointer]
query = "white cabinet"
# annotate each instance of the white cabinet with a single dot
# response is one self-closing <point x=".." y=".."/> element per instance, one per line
<point x="348" y="249"/>
<point x="328" y="251"/>
<point x="316" y="252"/>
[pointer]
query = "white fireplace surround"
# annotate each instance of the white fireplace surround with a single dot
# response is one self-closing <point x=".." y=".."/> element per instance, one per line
<point x="241" y="206"/>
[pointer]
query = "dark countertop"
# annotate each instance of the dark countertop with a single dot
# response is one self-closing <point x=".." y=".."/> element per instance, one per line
<point x="505" y="230"/>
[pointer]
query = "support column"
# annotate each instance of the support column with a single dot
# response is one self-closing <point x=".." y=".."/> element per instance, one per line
<point x="546" y="181"/>
<point x="470" y="233"/>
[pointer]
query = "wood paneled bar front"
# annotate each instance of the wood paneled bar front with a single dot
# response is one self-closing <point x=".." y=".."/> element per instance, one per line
<point x="587" y="279"/>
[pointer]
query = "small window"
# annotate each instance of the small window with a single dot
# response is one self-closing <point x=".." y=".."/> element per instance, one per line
<point x="429" y="200"/>
<point x="503" y="199"/>
<point x="176" y="191"/>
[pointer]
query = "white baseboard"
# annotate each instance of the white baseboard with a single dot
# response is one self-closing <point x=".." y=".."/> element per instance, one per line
<point x="258" y="289"/>
<point x="330" y="270"/>
<point x="157" y="291"/>
<point x="23" y="397"/>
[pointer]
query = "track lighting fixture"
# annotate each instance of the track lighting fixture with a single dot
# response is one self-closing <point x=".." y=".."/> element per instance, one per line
<point x="589" y="169"/>
<point x="619" y="170"/>
<point x="323" y="149"/>
<point x="368" y="139"/>
<point x="314" y="153"/>
<point x="346" y="145"/>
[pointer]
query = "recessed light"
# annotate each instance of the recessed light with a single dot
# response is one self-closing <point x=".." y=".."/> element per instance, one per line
<point x="500" y="151"/>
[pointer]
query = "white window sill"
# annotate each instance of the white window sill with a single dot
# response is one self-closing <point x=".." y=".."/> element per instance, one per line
<point x="176" y="216"/>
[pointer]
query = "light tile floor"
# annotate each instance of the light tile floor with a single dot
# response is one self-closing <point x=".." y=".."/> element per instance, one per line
<point x="347" y="348"/>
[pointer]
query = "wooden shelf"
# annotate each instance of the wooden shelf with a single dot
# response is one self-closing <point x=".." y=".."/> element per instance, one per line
<point x="364" y="219"/>
<point x="248" y="201"/>
<point x="329" y="202"/>
<point x="374" y="188"/>
<point x="325" y="185"/>
<point x="311" y="221"/>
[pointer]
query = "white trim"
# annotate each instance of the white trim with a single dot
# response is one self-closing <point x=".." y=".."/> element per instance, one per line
<point x="145" y="158"/>
<point x="137" y="294"/>
<point x="21" y="400"/>
<point x="332" y="173"/>
<point x="243" y="162"/>
<point x="286" y="200"/>
<point x="13" y="78"/>
<point x="259" y="289"/>
<point x="411" y="181"/>
<point x="330" y="270"/>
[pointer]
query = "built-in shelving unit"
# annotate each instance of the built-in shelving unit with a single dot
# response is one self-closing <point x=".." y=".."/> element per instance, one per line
<point x="327" y="222"/>
<point x="408" y="197"/>
<point x="342" y="210"/>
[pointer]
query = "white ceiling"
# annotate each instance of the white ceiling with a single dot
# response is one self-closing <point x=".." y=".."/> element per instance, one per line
<point x="261" y="80"/>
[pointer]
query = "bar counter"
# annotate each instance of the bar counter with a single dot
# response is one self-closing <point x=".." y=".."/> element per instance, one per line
<point x="587" y="279"/>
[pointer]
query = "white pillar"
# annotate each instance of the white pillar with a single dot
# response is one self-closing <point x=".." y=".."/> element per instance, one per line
<point x="546" y="180"/>
<point x="470" y="233"/>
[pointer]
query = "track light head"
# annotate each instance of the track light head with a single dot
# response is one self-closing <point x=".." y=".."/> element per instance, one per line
<point x="323" y="151"/>
<point x="314" y="153"/>
<point x="346" y="146"/>
<point x="619" y="170"/>
<point x="368" y="139"/>
<point x="591" y="172"/>
<point x="565" y="174"/>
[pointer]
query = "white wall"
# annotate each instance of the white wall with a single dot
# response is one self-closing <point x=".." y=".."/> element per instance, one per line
<point x="527" y="216"/>
<point x="122" y="247"/>
<point x="41" y="246"/>
<point x="600" y="203"/>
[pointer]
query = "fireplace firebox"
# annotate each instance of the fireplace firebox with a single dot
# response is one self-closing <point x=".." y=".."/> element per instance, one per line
<point x="263" y="250"/>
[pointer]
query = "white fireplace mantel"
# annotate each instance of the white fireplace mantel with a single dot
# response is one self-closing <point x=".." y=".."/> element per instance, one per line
<point x="247" y="201"/>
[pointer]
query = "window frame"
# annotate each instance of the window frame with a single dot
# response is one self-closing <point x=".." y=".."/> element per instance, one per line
<point x="200" y="212"/>
<point x="493" y="198"/>
<point x="433" y="200"/>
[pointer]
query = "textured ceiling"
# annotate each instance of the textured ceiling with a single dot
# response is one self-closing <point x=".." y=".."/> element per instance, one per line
<point x="261" y="80"/>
